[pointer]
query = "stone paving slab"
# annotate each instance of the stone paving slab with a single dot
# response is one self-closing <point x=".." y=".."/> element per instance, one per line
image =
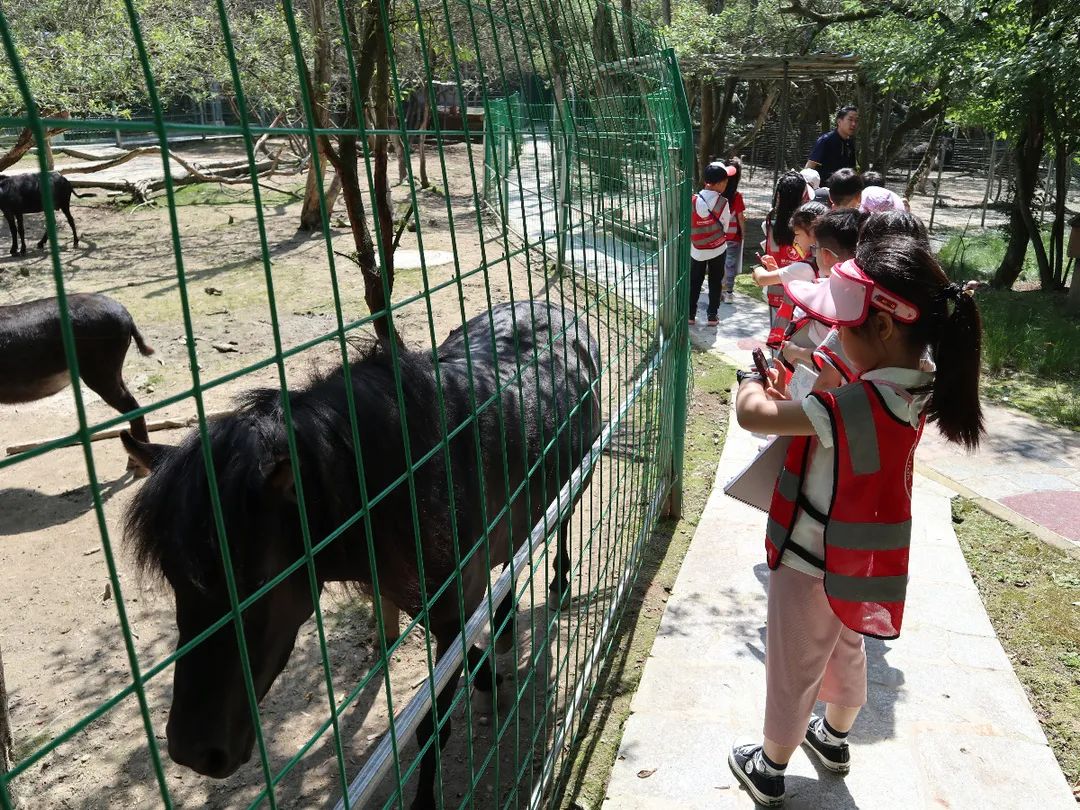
<point x="947" y="723"/>
<point x="1057" y="511"/>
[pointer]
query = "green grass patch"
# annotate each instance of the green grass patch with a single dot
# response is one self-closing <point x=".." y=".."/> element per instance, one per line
<point x="1031" y="345"/>
<point x="1032" y="594"/>
<point x="217" y="194"/>
<point x="585" y="783"/>
<point x="966" y="256"/>
<point x="744" y="283"/>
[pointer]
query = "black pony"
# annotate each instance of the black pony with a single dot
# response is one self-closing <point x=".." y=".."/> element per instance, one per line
<point x="503" y="472"/>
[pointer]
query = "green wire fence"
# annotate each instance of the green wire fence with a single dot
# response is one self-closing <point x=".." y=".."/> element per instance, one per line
<point x="559" y="137"/>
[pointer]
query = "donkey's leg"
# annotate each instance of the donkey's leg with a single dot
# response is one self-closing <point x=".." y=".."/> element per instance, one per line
<point x="71" y="222"/>
<point x="391" y="617"/>
<point x="560" y="579"/>
<point x="14" y="232"/>
<point x="22" y="233"/>
<point x="105" y="380"/>
<point x="425" y="794"/>
<point x="482" y="664"/>
<point x="503" y="641"/>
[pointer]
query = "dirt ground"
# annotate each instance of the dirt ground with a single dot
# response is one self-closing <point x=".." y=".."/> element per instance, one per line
<point x="59" y="631"/>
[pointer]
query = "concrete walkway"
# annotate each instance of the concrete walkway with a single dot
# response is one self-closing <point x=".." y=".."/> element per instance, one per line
<point x="947" y="723"/>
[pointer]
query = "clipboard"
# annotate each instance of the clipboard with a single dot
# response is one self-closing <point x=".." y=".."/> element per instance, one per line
<point x="754" y="484"/>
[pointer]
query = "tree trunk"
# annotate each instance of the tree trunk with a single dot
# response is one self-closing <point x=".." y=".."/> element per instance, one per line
<point x="918" y="179"/>
<point x="720" y="138"/>
<point x="383" y="211"/>
<point x="705" y="134"/>
<point x="1012" y="263"/>
<point x="759" y="121"/>
<point x="1057" y="231"/>
<point x="628" y="27"/>
<point x="1028" y="154"/>
<point x="310" y="212"/>
<point x="914" y="119"/>
<point x="422" y="148"/>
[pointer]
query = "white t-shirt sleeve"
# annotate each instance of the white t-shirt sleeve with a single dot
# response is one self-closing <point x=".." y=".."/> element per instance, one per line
<point x="818" y="415"/>
<point x="797" y="271"/>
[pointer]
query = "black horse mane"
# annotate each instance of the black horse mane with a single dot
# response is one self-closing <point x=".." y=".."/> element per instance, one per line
<point x="169" y="525"/>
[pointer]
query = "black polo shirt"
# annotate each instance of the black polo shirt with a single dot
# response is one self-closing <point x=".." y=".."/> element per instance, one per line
<point x="832" y="152"/>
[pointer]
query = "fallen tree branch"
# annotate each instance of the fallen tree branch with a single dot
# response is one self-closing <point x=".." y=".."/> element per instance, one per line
<point x="161" y="424"/>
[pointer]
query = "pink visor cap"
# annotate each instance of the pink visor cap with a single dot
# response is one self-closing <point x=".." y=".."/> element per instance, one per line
<point x="845" y="297"/>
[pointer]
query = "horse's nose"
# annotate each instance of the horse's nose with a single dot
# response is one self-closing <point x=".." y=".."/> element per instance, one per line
<point x="205" y="758"/>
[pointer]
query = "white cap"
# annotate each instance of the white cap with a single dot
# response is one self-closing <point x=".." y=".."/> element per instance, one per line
<point x="812" y="177"/>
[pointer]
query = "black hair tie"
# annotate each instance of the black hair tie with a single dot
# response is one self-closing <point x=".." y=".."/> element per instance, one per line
<point x="954" y="293"/>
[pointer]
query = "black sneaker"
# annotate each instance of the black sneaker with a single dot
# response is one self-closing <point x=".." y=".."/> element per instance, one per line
<point x="767" y="791"/>
<point x="837" y="758"/>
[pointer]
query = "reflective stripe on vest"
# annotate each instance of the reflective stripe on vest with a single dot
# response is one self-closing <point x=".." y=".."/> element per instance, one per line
<point x="867" y="589"/>
<point x="708" y="232"/>
<point x="824" y="354"/>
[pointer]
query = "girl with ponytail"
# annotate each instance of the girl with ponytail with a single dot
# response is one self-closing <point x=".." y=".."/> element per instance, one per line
<point x="839" y="526"/>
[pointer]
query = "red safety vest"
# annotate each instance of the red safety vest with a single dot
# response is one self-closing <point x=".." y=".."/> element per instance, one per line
<point x="868" y="524"/>
<point x="707" y="232"/>
<point x="782" y="320"/>
<point x="825" y="354"/>
<point x="784" y="255"/>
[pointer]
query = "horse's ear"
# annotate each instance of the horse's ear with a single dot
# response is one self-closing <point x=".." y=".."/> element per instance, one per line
<point x="146" y="454"/>
<point x="281" y="479"/>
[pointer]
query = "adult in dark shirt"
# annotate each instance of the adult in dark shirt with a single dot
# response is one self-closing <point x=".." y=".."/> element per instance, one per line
<point x="835" y="150"/>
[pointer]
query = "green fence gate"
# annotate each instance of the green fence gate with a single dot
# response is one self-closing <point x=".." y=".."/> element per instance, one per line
<point x="576" y="199"/>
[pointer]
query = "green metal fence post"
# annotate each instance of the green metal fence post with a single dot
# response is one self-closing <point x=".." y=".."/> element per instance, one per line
<point x="680" y="332"/>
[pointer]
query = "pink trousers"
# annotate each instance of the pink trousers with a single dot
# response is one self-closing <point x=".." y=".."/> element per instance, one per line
<point x="809" y="655"/>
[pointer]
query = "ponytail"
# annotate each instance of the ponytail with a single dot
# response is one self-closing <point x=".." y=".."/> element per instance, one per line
<point x="955" y="404"/>
<point x="949" y="324"/>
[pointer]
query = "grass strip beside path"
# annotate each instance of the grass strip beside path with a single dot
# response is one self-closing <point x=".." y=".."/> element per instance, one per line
<point x="1032" y="594"/>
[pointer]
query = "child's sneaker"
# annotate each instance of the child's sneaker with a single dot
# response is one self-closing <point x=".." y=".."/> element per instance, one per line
<point x="728" y="298"/>
<point x="713" y="321"/>
<point x="693" y="321"/>
<point x="746" y="763"/>
<point x="837" y="758"/>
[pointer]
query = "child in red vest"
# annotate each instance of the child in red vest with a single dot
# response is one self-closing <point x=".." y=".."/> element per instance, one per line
<point x="710" y="216"/>
<point x="773" y="274"/>
<point x="779" y="244"/>
<point x="733" y="258"/>
<point x="840" y="522"/>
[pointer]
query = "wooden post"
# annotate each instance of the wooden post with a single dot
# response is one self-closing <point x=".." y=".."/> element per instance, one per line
<point x="7" y="745"/>
<point x="989" y="180"/>
<point x="937" y="186"/>
<point x="781" y="152"/>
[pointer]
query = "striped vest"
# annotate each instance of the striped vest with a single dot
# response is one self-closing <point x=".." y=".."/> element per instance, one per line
<point x="868" y="524"/>
<point x="710" y="231"/>
<point x="784" y="255"/>
<point x="826" y="353"/>
<point x="783" y="320"/>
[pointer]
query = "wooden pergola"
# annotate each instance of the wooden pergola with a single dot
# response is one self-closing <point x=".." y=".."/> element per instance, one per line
<point x="783" y="68"/>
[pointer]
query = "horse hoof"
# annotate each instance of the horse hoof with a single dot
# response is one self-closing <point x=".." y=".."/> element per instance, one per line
<point x="555" y="598"/>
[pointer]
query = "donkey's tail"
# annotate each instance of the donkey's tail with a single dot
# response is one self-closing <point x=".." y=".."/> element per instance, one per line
<point x="80" y="196"/>
<point x="145" y="349"/>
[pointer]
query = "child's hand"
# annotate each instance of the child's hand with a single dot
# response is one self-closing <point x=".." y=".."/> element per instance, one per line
<point x="769" y="263"/>
<point x="777" y="388"/>
<point x="796" y="354"/>
<point x="757" y="273"/>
